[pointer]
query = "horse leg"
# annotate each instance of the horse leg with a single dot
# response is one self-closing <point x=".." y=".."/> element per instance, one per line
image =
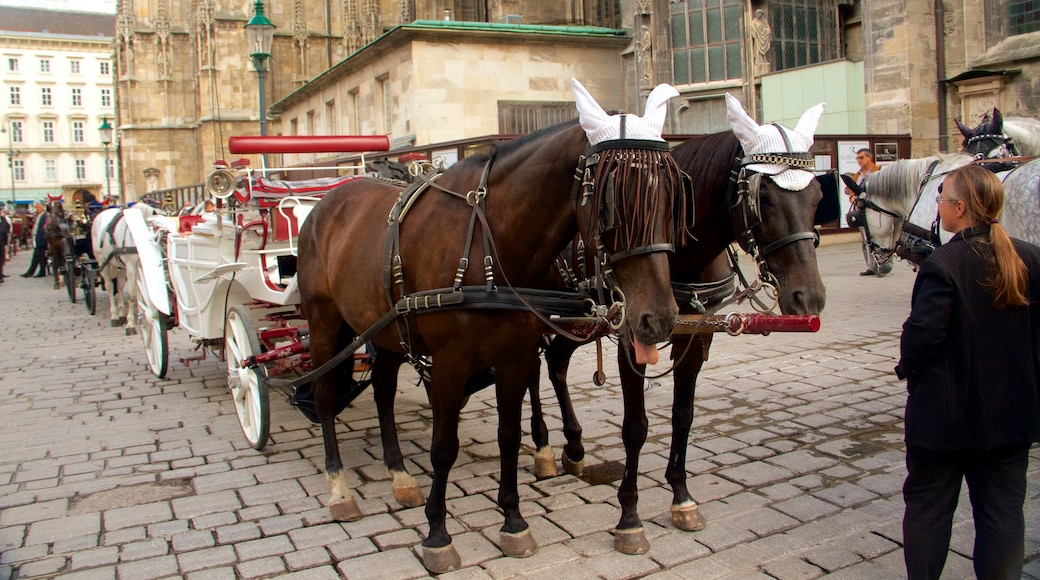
<point x="558" y="359"/>
<point x="513" y="378"/>
<point x="629" y="537"/>
<point x="446" y="391"/>
<point x="691" y="353"/>
<point x="544" y="457"/>
<point x="324" y="334"/>
<point x="384" y="386"/>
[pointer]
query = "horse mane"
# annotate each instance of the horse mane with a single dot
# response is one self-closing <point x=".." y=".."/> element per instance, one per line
<point x="708" y="159"/>
<point x="502" y="149"/>
<point x="899" y="181"/>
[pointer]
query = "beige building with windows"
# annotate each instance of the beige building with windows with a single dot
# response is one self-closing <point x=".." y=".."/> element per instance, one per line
<point x="57" y="90"/>
<point x="426" y="71"/>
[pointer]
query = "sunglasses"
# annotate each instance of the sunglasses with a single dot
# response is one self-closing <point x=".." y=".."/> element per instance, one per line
<point x="939" y="198"/>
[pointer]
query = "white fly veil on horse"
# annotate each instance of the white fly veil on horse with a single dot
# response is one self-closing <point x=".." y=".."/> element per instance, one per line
<point x="600" y="127"/>
<point x="773" y="139"/>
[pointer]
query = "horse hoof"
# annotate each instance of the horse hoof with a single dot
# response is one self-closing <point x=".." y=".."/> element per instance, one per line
<point x="345" y="510"/>
<point x="632" y="541"/>
<point x="687" y="517"/>
<point x="442" y="559"/>
<point x="519" y="545"/>
<point x="545" y="463"/>
<point x="409" y="496"/>
<point x="115" y="322"/>
<point x="120" y="321"/>
<point x="574" y="468"/>
<point x="129" y="331"/>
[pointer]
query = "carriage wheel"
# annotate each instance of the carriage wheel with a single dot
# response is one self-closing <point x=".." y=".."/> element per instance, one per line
<point x="89" y="292"/>
<point x="70" y="279"/>
<point x="247" y="384"/>
<point x="153" y="327"/>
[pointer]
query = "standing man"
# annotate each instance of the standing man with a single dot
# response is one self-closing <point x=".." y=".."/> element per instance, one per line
<point x="5" y="232"/>
<point x="969" y="353"/>
<point x="39" y="243"/>
<point x="867" y="166"/>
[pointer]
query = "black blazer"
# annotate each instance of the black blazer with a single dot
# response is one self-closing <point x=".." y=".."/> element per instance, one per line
<point x="972" y="369"/>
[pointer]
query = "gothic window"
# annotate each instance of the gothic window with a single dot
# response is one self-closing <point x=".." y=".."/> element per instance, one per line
<point x="1024" y="16"/>
<point x="706" y="40"/>
<point x="803" y="32"/>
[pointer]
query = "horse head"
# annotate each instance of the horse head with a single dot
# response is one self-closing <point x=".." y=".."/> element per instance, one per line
<point x="774" y="204"/>
<point x="988" y="140"/>
<point x="631" y="199"/>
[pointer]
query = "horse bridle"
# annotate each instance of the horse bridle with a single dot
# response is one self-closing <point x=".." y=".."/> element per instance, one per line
<point x="743" y="200"/>
<point x="1005" y="146"/>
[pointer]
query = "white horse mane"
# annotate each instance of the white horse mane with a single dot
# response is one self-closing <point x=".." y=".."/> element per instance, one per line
<point x="899" y="182"/>
<point x="1026" y="134"/>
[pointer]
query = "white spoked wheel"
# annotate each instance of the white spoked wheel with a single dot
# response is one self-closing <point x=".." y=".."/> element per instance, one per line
<point x="247" y="384"/>
<point x="153" y="327"/>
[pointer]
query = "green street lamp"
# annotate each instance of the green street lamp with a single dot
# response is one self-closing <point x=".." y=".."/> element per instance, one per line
<point x="260" y="33"/>
<point x="105" y="130"/>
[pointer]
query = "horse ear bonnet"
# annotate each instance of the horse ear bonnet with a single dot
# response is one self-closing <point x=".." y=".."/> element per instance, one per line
<point x="755" y="139"/>
<point x="600" y="127"/>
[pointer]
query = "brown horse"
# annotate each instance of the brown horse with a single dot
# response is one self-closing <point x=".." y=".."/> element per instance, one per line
<point x="58" y="232"/>
<point x="512" y="211"/>
<point x="738" y="200"/>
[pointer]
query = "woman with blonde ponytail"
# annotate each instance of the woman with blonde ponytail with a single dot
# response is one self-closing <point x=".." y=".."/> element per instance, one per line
<point x="969" y="353"/>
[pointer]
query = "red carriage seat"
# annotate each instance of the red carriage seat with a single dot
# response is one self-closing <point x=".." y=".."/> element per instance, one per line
<point x="268" y="193"/>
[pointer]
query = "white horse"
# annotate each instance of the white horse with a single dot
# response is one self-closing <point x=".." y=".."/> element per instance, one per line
<point x="903" y="192"/>
<point x="116" y="255"/>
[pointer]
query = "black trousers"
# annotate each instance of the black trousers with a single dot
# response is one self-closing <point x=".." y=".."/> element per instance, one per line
<point x="39" y="259"/>
<point x="996" y="488"/>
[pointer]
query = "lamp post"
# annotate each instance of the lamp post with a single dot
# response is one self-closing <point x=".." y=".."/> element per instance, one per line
<point x="105" y="130"/>
<point x="260" y="32"/>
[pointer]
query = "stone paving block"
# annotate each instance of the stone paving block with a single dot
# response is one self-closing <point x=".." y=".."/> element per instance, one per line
<point x="755" y="473"/>
<point x="138" y="515"/>
<point x="807" y="508"/>
<point x="237" y="533"/>
<point x="166" y="529"/>
<point x="142" y="550"/>
<point x="76" y="544"/>
<point x="221" y="573"/>
<point x="269" y="493"/>
<point x="309" y="558"/>
<point x="792" y="569"/>
<point x="185" y="508"/>
<point x="369" y="526"/>
<point x="106" y="573"/>
<point x="832" y="557"/>
<point x="94" y="558"/>
<point x="400" y="563"/>
<point x="261" y="568"/>
<point x="34" y="512"/>
<point x="214" y="520"/>
<point x="264" y="547"/>
<point x="42" y="567"/>
<point x="160" y="567"/>
<point x="545" y="557"/>
<point x="205" y="558"/>
<point x="193" y="540"/>
<point x="222" y="481"/>
<point x="258" y="513"/>
<point x="52" y="530"/>
<point x="846" y="495"/>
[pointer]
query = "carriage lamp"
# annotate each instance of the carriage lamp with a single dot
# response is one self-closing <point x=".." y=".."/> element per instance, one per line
<point x="105" y="131"/>
<point x="260" y="34"/>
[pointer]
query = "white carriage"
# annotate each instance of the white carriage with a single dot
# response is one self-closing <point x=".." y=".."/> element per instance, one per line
<point x="227" y="274"/>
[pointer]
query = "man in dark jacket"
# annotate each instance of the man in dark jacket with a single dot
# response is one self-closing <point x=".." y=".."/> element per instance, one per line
<point x="5" y="232"/>
<point x="39" y="258"/>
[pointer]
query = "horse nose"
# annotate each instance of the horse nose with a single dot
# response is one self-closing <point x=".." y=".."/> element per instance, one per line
<point x="803" y="301"/>
<point x="656" y="327"/>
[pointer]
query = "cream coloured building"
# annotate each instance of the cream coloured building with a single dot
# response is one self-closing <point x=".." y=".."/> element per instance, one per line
<point x="427" y="71"/>
<point x="57" y="89"/>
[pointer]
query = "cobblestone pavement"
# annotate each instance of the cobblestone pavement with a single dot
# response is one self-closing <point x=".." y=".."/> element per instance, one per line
<point x="796" y="459"/>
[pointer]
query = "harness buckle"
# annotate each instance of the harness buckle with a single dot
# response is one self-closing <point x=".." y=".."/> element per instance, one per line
<point x="476" y="196"/>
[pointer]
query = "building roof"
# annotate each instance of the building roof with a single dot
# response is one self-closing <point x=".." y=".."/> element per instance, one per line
<point x="65" y="23"/>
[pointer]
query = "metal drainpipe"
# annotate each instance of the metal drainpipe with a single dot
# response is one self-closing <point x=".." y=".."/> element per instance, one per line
<point x="940" y="73"/>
